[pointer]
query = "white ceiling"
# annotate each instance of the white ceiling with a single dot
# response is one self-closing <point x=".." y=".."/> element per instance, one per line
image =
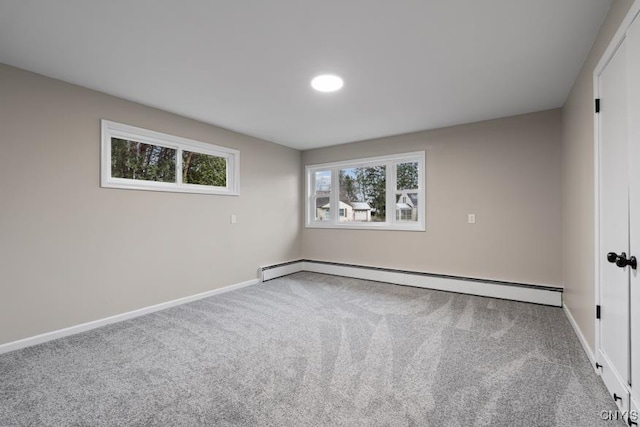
<point x="246" y="65"/>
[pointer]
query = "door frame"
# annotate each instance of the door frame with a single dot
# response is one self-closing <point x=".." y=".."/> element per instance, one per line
<point x="606" y="57"/>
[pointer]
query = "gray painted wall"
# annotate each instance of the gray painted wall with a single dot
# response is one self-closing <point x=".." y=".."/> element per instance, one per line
<point x="578" y="184"/>
<point x="73" y="252"/>
<point x="506" y="171"/>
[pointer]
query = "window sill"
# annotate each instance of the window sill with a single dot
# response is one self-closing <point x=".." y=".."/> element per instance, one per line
<point x="167" y="187"/>
<point x="383" y="227"/>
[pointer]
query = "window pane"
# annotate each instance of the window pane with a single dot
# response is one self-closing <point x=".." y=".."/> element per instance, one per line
<point x="204" y="169"/>
<point x="407" y="176"/>
<point x="407" y="204"/>
<point x="147" y="162"/>
<point x="322" y="196"/>
<point x="363" y="194"/>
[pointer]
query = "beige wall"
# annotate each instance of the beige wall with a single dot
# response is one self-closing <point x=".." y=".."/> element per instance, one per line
<point x="578" y="185"/>
<point x="506" y="171"/>
<point x="73" y="252"/>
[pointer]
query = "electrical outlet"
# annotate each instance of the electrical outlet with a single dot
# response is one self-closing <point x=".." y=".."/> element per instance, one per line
<point x="234" y="219"/>
<point x="472" y="218"/>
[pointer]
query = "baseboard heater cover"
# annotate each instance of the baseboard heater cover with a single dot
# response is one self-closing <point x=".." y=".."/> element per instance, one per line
<point x="538" y="294"/>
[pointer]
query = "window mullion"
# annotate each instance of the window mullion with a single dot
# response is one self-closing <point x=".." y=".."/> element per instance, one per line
<point x="334" y="205"/>
<point x="422" y="191"/>
<point x="311" y="200"/>
<point x="226" y="172"/>
<point x="179" y="166"/>
<point x="391" y="193"/>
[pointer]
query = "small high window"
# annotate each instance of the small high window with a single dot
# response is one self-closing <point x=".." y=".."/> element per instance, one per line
<point x="140" y="159"/>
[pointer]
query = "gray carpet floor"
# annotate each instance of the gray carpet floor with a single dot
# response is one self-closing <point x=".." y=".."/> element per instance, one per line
<point x="311" y="349"/>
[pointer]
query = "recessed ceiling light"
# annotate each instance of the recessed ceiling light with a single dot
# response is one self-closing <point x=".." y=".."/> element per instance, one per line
<point x="327" y="83"/>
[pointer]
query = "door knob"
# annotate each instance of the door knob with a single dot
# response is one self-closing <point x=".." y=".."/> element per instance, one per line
<point x="633" y="262"/>
<point x="621" y="260"/>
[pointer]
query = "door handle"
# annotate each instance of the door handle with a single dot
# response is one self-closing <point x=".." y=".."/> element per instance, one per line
<point x="621" y="260"/>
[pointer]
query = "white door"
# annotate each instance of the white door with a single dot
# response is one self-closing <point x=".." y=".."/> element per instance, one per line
<point x="614" y="227"/>
<point x="633" y="51"/>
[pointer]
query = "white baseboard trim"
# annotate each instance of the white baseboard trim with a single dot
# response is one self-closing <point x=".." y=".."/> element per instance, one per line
<point x="547" y="295"/>
<point x="60" y="333"/>
<point x="581" y="338"/>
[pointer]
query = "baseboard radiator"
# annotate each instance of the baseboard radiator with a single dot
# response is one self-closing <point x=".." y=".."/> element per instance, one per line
<point x="538" y="294"/>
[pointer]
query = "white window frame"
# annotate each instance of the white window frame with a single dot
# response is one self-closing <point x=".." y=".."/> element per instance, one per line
<point x="118" y="130"/>
<point x="391" y="222"/>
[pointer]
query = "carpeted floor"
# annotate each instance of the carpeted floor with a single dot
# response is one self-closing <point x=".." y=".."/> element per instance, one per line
<point x="311" y="349"/>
